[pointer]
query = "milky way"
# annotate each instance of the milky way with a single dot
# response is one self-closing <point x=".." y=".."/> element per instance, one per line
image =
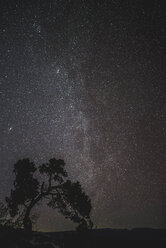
<point x="84" y="81"/>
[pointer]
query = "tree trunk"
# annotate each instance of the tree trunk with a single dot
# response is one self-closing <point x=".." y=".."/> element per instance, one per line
<point x="27" y="221"/>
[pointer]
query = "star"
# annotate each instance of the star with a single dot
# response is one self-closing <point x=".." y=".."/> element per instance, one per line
<point x="10" y="129"/>
<point x="57" y="71"/>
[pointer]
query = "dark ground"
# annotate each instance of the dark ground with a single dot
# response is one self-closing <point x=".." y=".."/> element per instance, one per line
<point x="10" y="238"/>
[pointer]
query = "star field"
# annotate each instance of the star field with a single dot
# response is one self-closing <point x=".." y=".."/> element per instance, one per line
<point x="84" y="81"/>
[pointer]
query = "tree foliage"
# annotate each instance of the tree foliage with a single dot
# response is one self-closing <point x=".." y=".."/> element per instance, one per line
<point x="3" y="213"/>
<point x="26" y="187"/>
<point x="60" y="193"/>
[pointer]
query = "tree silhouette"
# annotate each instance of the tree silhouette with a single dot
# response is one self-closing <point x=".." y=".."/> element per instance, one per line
<point x="3" y="213"/>
<point x="61" y="193"/>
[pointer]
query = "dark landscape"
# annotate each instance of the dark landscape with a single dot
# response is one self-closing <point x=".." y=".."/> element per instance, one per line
<point x="94" y="238"/>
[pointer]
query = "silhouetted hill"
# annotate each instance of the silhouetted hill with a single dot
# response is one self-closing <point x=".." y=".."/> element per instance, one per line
<point x="93" y="239"/>
<point x="109" y="237"/>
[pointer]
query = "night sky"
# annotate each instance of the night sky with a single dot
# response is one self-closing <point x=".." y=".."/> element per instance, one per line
<point x="84" y="81"/>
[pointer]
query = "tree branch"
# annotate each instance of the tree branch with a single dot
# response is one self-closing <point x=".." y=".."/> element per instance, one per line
<point x="50" y="179"/>
<point x="42" y="187"/>
<point x="25" y="205"/>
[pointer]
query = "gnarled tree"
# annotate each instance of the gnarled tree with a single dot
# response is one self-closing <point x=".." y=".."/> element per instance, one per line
<point x="61" y="193"/>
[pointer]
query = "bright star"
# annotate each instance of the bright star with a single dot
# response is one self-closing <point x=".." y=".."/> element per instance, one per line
<point x="10" y="129"/>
